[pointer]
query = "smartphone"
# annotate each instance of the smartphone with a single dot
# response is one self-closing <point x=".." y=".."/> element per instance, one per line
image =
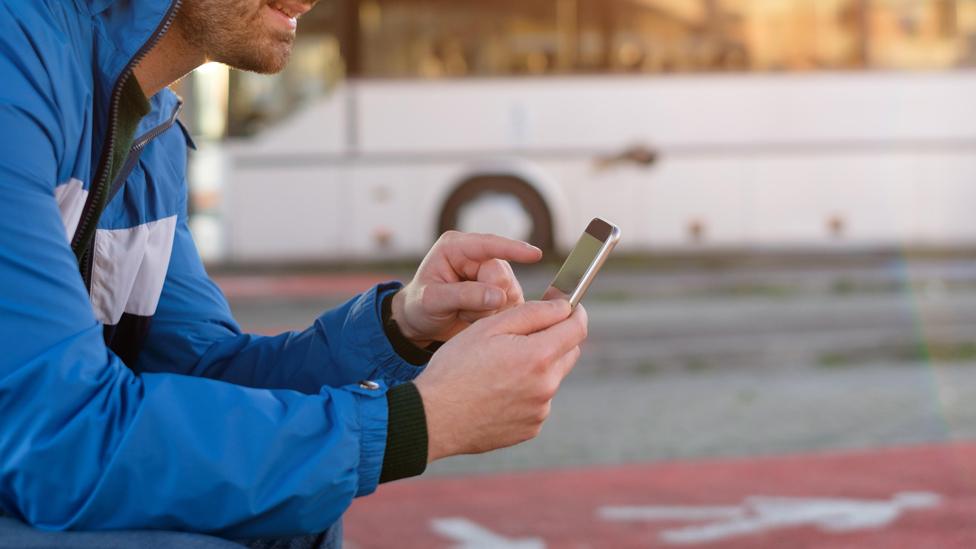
<point x="580" y="268"/>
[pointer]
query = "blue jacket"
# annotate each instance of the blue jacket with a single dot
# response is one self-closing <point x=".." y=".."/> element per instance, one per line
<point x="221" y="431"/>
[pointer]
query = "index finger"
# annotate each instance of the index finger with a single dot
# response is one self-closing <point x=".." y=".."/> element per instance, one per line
<point x="484" y="247"/>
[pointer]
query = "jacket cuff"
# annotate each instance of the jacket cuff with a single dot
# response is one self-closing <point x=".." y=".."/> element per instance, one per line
<point x="372" y="418"/>
<point x="366" y="322"/>
<point x="401" y="344"/>
<point x="406" y="434"/>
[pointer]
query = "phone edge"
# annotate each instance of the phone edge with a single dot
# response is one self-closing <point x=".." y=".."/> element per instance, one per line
<point x="595" y="267"/>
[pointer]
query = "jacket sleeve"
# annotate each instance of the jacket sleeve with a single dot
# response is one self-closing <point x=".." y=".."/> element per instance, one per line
<point x="84" y="443"/>
<point x="194" y="333"/>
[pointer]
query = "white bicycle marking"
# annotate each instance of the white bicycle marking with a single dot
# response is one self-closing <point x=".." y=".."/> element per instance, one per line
<point x="761" y="514"/>
<point x="470" y="535"/>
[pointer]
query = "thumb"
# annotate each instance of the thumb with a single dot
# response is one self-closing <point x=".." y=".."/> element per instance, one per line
<point x="531" y="317"/>
<point x="450" y="298"/>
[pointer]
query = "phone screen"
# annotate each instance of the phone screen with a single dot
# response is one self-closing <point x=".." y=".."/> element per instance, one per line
<point x="587" y="257"/>
<point x="579" y="260"/>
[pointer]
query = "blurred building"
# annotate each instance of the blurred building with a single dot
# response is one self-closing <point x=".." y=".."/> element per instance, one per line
<point x="524" y="75"/>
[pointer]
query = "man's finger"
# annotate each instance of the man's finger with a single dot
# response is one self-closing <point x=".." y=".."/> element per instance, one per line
<point x="449" y="298"/>
<point x="566" y="363"/>
<point x="482" y="247"/>
<point x="470" y="317"/>
<point x="530" y="317"/>
<point x="562" y="337"/>
<point x="499" y="273"/>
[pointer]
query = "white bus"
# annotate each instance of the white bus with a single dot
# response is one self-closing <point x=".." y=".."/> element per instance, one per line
<point x="693" y="124"/>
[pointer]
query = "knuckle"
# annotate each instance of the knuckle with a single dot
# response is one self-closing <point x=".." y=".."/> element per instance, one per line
<point x="542" y="394"/>
<point x="530" y="432"/>
<point x="570" y="360"/>
<point x="545" y="390"/>
<point x="542" y="414"/>
<point x="497" y="270"/>
<point x="553" y="353"/>
<point x="555" y="384"/>
<point x="427" y="299"/>
<point x="550" y="390"/>
<point x="470" y="294"/>
<point x="544" y="357"/>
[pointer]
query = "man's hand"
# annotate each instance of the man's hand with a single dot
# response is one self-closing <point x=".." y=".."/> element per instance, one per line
<point x="491" y="386"/>
<point x="465" y="277"/>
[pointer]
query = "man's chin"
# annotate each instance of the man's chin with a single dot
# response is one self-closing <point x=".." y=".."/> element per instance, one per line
<point x="271" y="60"/>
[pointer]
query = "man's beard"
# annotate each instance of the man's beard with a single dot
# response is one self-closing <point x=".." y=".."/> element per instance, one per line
<point x="233" y="32"/>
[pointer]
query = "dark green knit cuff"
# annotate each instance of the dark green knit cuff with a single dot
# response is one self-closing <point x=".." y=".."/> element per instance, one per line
<point x="406" y="434"/>
<point x="404" y="347"/>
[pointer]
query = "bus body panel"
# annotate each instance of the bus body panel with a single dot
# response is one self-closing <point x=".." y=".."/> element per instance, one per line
<point x="768" y="161"/>
<point x="684" y="112"/>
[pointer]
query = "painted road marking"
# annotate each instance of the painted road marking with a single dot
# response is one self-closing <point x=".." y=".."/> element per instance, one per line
<point x="922" y="496"/>
<point x="470" y="535"/>
<point x="759" y="514"/>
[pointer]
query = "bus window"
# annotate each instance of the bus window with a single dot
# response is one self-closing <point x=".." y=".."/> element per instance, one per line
<point x="966" y="27"/>
<point x="913" y="34"/>
<point x="662" y="36"/>
<point x="803" y="35"/>
<point x="457" y="38"/>
<point x="315" y="68"/>
<point x="472" y="38"/>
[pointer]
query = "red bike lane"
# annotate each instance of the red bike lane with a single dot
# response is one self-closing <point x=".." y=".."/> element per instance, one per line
<point x="913" y="497"/>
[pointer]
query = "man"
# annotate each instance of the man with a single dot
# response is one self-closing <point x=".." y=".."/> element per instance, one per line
<point x="129" y="398"/>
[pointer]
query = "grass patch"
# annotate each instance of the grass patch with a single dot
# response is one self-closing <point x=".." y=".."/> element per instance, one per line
<point x="697" y="365"/>
<point x="937" y="353"/>
<point x="746" y="397"/>
<point x="647" y="368"/>
<point x="836" y="360"/>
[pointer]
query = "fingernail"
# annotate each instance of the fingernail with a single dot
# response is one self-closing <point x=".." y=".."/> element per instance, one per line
<point x="494" y="298"/>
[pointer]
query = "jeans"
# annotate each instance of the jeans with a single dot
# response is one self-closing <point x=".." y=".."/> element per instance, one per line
<point x="16" y="535"/>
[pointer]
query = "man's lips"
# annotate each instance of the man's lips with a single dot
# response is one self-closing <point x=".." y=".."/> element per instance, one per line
<point x="282" y="18"/>
<point x="292" y="10"/>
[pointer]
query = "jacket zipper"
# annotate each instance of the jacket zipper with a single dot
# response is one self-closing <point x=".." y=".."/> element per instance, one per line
<point x="130" y="164"/>
<point x="139" y="144"/>
<point x="96" y="196"/>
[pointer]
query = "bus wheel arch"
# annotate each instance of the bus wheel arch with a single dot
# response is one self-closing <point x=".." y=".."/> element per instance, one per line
<point x="474" y="192"/>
